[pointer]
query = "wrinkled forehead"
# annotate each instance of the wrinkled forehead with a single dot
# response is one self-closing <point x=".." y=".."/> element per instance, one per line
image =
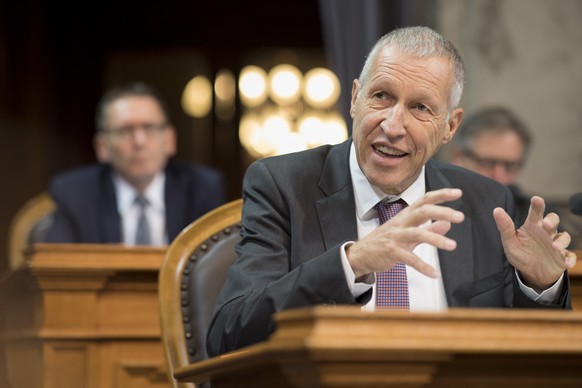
<point x="425" y="75"/>
<point x="439" y="67"/>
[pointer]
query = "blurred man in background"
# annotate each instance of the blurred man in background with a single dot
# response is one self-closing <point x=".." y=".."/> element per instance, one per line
<point x="135" y="195"/>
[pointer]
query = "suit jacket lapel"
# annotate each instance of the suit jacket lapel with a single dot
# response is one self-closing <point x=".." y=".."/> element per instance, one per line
<point x="337" y="210"/>
<point x="456" y="266"/>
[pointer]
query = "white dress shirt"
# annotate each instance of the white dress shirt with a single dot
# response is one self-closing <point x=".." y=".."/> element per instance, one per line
<point x="129" y="210"/>
<point x="425" y="293"/>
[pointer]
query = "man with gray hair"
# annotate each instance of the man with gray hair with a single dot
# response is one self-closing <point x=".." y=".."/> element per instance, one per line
<point x="375" y="222"/>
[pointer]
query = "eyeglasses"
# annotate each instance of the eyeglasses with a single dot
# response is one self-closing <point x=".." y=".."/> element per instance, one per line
<point x="490" y="163"/>
<point x="127" y="132"/>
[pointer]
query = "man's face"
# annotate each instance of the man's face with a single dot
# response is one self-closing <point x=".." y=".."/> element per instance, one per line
<point x="497" y="155"/>
<point x="136" y="141"/>
<point x="400" y="117"/>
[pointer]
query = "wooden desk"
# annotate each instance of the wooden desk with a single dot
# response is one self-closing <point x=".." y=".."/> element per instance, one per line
<point x="345" y="347"/>
<point x="87" y="316"/>
<point x="84" y="316"/>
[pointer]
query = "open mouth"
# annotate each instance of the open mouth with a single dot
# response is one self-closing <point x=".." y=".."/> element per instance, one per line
<point x="389" y="152"/>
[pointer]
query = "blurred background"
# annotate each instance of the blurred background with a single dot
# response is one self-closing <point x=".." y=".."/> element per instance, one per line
<point x="247" y="79"/>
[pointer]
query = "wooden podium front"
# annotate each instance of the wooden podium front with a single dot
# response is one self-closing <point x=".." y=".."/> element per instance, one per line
<point x="345" y="347"/>
<point x="83" y="316"/>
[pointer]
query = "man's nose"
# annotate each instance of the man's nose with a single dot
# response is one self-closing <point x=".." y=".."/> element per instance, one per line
<point x="139" y="134"/>
<point x="394" y="122"/>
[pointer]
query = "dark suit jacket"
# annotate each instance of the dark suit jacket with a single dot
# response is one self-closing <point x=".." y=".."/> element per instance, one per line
<point x="87" y="207"/>
<point x="299" y="209"/>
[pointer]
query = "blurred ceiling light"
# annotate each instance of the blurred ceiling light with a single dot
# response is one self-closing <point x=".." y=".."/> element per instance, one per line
<point x="250" y="132"/>
<point x="273" y="131"/>
<point x="321" y="88"/>
<point x="253" y="86"/>
<point x="197" y="97"/>
<point x="224" y="86"/>
<point x="310" y="126"/>
<point x="224" y="90"/>
<point x="286" y="111"/>
<point x="291" y="142"/>
<point x="318" y="128"/>
<point x="275" y="128"/>
<point x="335" y="130"/>
<point x="285" y="84"/>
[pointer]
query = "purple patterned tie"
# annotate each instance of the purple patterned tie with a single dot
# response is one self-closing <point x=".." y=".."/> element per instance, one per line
<point x="392" y="285"/>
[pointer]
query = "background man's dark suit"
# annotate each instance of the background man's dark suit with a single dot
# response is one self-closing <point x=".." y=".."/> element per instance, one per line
<point x="299" y="209"/>
<point x="87" y="207"/>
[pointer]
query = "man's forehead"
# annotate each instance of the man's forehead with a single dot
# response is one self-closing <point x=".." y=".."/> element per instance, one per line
<point x="146" y="106"/>
<point x="395" y="55"/>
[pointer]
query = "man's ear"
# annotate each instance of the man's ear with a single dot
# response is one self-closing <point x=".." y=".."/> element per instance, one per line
<point x="453" y="124"/>
<point x="100" y="146"/>
<point x="355" y="90"/>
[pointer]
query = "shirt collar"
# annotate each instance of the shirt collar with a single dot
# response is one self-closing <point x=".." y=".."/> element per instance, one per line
<point x="126" y="193"/>
<point x="367" y="195"/>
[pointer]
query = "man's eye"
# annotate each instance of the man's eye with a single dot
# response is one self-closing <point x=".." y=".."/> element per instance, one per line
<point x="380" y="95"/>
<point x="421" y="107"/>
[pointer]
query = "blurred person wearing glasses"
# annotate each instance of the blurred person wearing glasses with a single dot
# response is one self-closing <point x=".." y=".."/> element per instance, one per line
<point x="135" y="195"/>
<point x="494" y="142"/>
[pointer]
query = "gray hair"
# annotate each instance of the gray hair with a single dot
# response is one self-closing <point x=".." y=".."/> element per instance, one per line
<point x="138" y="89"/>
<point x="421" y="42"/>
<point x="493" y="119"/>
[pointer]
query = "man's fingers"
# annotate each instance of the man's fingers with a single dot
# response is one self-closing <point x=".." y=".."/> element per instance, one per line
<point x="440" y="227"/>
<point x="550" y="223"/>
<point x="418" y="215"/>
<point x="422" y="267"/>
<point x="536" y="209"/>
<point x="504" y="223"/>
<point x="435" y="235"/>
<point x="408" y="220"/>
<point x="411" y="260"/>
<point x="440" y="196"/>
<point x="570" y="259"/>
<point x="560" y="243"/>
<point x="562" y="240"/>
<point x="428" y="208"/>
<point x="436" y="239"/>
